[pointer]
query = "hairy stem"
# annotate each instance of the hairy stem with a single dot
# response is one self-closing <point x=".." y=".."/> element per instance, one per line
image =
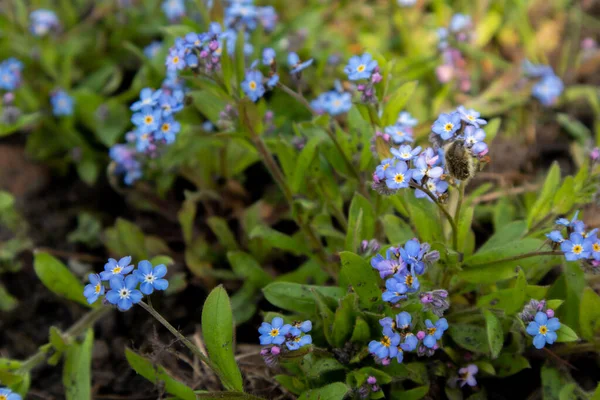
<point x="527" y="255"/>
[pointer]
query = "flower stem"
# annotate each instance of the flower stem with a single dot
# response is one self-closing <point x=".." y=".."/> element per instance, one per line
<point x="461" y="196"/>
<point x="87" y="321"/>
<point x="527" y="255"/>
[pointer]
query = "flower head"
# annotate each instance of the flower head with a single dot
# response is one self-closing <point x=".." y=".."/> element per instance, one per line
<point x="152" y="49"/>
<point x="298" y="341"/>
<point x="400" y="133"/>
<point x="543" y="330"/>
<point x="446" y="125"/>
<point x="471" y="117"/>
<point x="43" y="21"/>
<point x="148" y="97"/>
<point x="360" y="67"/>
<point x="94" y="289"/>
<point x="273" y="333"/>
<point x="151" y="278"/>
<point x="406" y="119"/>
<point x="576" y="247"/>
<point x="253" y="85"/>
<point x="398" y="176"/>
<point x="7" y="394"/>
<point x="173" y="9"/>
<point x="299" y="327"/>
<point x="434" y="332"/>
<point x="548" y="89"/>
<point x="116" y="268"/>
<point x="412" y="253"/>
<point x="147" y="119"/>
<point x="467" y="375"/>
<point x="62" y="103"/>
<point x="555" y="236"/>
<point x="124" y="292"/>
<point x="268" y="56"/>
<point x="296" y="65"/>
<point x="387" y="346"/>
<point x="405" y="152"/>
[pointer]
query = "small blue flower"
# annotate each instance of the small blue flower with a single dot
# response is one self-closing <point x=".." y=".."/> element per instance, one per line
<point x="387" y="322"/>
<point x="124" y="157"/>
<point x="299" y="327"/>
<point x="459" y="22"/>
<point x="147" y="119"/>
<point x="273" y="333"/>
<point x="173" y="9"/>
<point x="555" y="236"/>
<point x="124" y="292"/>
<point x="548" y="89"/>
<point x="543" y="330"/>
<point x="151" y="278"/>
<point x="62" y="103"/>
<point x="296" y="65"/>
<point x="386" y="267"/>
<point x="403" y="321"/>
<point x="148" y="97"/>
<point x="381" y="168"/>
<point x="406" y="119"/>
<point x="409" y="283"/>
<point x="412" y="254"/>
<point x="7" y="394"/>
<point x="398" y="286"/>
<point x="253" y="86"/>
<point x="575" y="224"/>
<point x="595" y="243"/>
<point x="387" y="346"/>
<point x="267" y="17"/>
<point x="471" y="117"/>
<point x="152" y="49"/>
<point x="410" y="342"/>
<point x="434" y="332"/>
<point x="405" y="152"/>
<point x="473" y="135"/>
<point x="175" y="60"/>
<point x="298" y="341"/>
<point x="399" y="133"/>
<point x="268" y="56"/>
<point x="446" y="125"/>
<point x="42" y="21"/>
<point x="272" y="81"/>
<point x="423" y="168"/>
<point x="94" y="289"/>
<point x="398" y="176"/>
<point x="536" y="70"/>
<point x="338" y="103"/>
<point x="360" y="67"/>
<point x="116" y="268"/>
<point x="437" y="187"/>
<point x="168" y="130"/>
<point x="576" y="248"/>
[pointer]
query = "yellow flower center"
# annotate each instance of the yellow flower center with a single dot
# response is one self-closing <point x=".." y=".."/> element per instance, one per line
<point x="448" y="127"/>
<point x="470" y="118"/>
<point x="431" y="331"/>
<point x="165" y="127"/>
<point x="361" y="67"/>
<point x="596" y="247"/>
<point x="252" y="85"/>
<point x="176" y="60"/>
<point x="337" y="103"/>
<point x="543" y="330"/>
<point x="386" y="341"/>
<point x="577" y="249"/>
<point x="3" y="397"/>
<point x="117" y="270"/>
<point x="148" y="120"/>
<point x="96" y="289"/>
<point x="400" y="133"/>
<point x="409" y="280"/>
<point x="297" y="339"/>
<point x="274" y="332"/>
<point x="385" y="166"/>
<point x="399" y="178"/>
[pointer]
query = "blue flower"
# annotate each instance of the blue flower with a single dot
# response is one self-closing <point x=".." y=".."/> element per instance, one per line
<point x="123" y="292"/>
<point x="144" y="141"/>
<point x="272" y="81"/>
<point x="267" y="17"/>
<point x="555" y="236"/>
<point x="62" y="103"/>
<point x="338" y="103"/>
<point x="387" y="322"/>
<point x="446" y="125"/>
<point x="296" y="65"/>
<point x="403" y="321"/>
<point x="42" y="21"/>
<point x="240" y="14"/>
<point x="113" y="268"/>
<point x="422" y="168"/>
<point x="268" y="56"/>
<point x="9" y="80"/>
<point x="548" y="89"/>
<point x="387" y="346"/>
<point x="298" y="341"/>
<point x="471" y="117"/>
<point x="543" y="330"/>
<point x="459" y="22"/>
<point x="299" y="327"/>
<point x="536" y="70"/>
<point x="173" y="9"/>
<point x="148" y="97"/>
<point x="151" y="278"/>
<point x="171" y="103"/>
<point x="411" y="253"/>
<point x="94" y="289"/>
<point x="168" y="130"/>
<point x="360" y="67"/>
<point x="399" y="133"/>
<point x="398" y="176"/>
<point x="273" y="333"/>
<point x="406" y="152"/>
<point x="7" y="394"/>
<point x="147" y="119"/>
<point x="408" y="281"/>
<point x="124" y="157"/>
<point x="398" y="286"/>
<point x="405" y="119"/>
<point x="473" y="135"/>
<point x="436" y="186"/>
<point x="175" y="60"/>
<point x="576" y="248"/>
<point x="434" y="332"/>
<point x="152" y="49"/>
<point x="410" y="342"/>
<point x="253" y="86"/>
<point x="575" y="224"/>
<point x="595" y="243"/>
<point x="386" y="267"/>
<point x="381" y="168"/>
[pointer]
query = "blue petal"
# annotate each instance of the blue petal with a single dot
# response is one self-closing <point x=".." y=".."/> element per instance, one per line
<point x="539" y="341"/>
<point x="541" y="318"/>
<point x="146" y="288"/>
<point x="553" y="324"/>
<point x="112" y="296"/>
<point x="265" y="339"/>
<point x="161" y="284"/>
<point x="533" y="328"/>
<point x="429" y="341"/>
<point x="160" y="271"/>
<point x="145" y="267"/>
<point x="551" y="337"/>
<point x="277" y="322"/>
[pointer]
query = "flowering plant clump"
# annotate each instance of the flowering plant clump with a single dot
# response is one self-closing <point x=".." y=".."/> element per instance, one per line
<point x="389" y="197"/>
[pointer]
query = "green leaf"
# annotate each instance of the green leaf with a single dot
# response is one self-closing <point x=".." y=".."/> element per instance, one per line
<point x="551" y="383"/>
<point x="361" y="222"/>
<point x="225" y="396"/>
<point x="396" y="230"/>
<point x="186" y="216"/>
<point x="543" y="203"/>
<point x="470" y="337"/>
<point x="333" y="391"/>
<point x="362" y="332"/>
<point x="487" y="256"/>
<point x="564" y="198"/>
<point x="217" y="329"/>
<point x="156" y="373"/>
<point x="487" y="28"/>
<point x="344" y="320"/>
<point x="362" y="277"/>
<point x="412" y="394"/>
<point x="426" y="217"/>
<point x="22" y="121"/>
<point x="280" y="240"/>
<point x="566" y="334"/>
<point x="304" y="163"/>
<point x="466" y="239"/>
<point x="245" y="266"/>
<point x="507" y="234"/>
<point x="396" y="102"/>
<point x="323" y="366"/>
<point x="291" y="383"/>
<point x="509" y="364"/>
<point x="77" y="377"/>
<point x="589" y="314"/>
<point x="57" y="277"/>
<point x="296" y="297"/>
<point x="509" y="300"/>
<point x="494" y="333"/>
<point x="240" y="66"/>
<point x="125" y="238"/>
<point x="221" y="230"/>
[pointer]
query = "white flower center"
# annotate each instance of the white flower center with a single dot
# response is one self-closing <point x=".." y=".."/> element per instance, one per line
<point x="149" y="278"/>
<point x="124" y="293"/>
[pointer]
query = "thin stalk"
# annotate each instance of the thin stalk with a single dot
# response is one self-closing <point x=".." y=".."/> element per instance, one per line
<point x="87" y="321"/>
<point x="527" y="255"/>
<point x="461" y="196"/>
<point x="301" y="99"/>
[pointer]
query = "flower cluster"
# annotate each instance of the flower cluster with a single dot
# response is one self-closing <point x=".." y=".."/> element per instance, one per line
<point x="548" y="87"/>
<point x="174" y="9"/>
<point x="454" y="66"/>
<point x="427" y="170"/>
<point x="62" y="103"/>
<point x="541" y="322"/>
<point x="243" y="14"/>
<point x="579" y="244"/>
<point x="123" y="282"/>
<point x="275" y="334"/>
<point x="365" y="70"/>
<point x="7" y="394"/>
<point x="42" y="21"/>
<point x="369" y="386"/>
<point x="10" y="74"/>
<point x="398" y="337"/>
<point x="402" y="131"/>
<point x="333" y="103"/>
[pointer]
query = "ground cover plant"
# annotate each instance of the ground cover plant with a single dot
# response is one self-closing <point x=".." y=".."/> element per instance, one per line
<point x="238" y="199"/>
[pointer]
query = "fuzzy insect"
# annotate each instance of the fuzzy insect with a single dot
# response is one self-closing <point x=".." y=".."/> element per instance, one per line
<point x="459" y="160"/>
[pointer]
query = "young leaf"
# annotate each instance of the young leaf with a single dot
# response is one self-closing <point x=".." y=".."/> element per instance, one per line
<point x="217" y="329"/>
<point x="77" y="377"/>
<point x="494" y="333"/>
<point x="487" y="256"/>
<point x="245" y="266"/>
<point x="344" y="320"/>
<point x="296" y="297"/>
<point x="589" y="314"/>
<point x="304" y="162"/>
<point x="566" y="334"/>
<point x="57" y="277"/>
<point x="509" y="364"/>
<point x="543" y="203"/>
<point x="280" y="240"/>
<point x="156" y="373"/>
<point x="221" y="230"/>
<point x="508" y="300"/>
<point x="396" y="230"/>
<point x="361" y="222"/>
<point x="397" y="101"/>
<point x="333" y="391"/>
<point x="362" y="277"/>
<point x="470" y="337"/>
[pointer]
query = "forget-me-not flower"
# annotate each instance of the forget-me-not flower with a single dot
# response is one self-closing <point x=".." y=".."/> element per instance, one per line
<point x="543" y="330"/>
<point x="124" y="292"/>
<point x="273" y="333"/>
<point x="151" y="278"/>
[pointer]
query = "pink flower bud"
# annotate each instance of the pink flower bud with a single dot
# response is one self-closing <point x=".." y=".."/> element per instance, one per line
<point x="420" y="335"/>
<point x="204" y="54"/>
<point x="360" y="88"/>
<point x="444" y="73"/>
<point x="275" y="350"/>
<point x="595" y="154"/>
<point x="385" y="361"/>
<point x="264" y="352"/>
<point x="371" y="380"/>
<point x="375" y="388"/>
<point x="375" y="178"/>
<point x="386" y="137"/>
<point x="435" y="346"/>
<point x="213" y="45"/>
<point x="550" y="313"/>
<point x="376" y="78"/>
